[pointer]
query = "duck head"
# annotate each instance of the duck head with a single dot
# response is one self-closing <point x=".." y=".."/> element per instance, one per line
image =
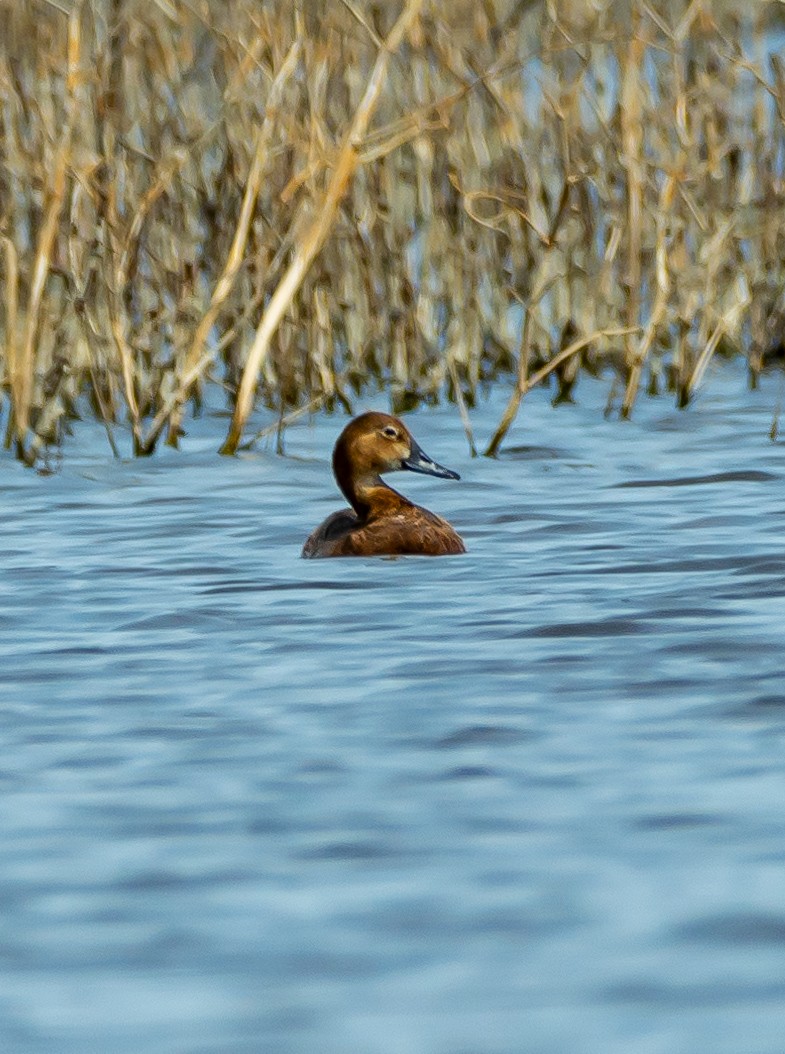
<point x="373" y="444"/>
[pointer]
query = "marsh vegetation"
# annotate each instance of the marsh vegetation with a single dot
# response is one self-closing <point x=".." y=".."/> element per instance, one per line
<point x="296" y="204"/>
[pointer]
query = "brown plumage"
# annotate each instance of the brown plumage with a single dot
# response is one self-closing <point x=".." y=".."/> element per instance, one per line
<point x="381" y="522"/>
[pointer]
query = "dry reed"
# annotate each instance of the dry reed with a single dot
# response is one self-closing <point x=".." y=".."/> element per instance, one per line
<point x="296" y="203"/>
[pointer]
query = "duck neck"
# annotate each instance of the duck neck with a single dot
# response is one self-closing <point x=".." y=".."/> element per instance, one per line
<point x="368" y="495"/>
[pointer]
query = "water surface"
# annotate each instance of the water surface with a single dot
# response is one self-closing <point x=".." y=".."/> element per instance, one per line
<point x="530" y="799"/>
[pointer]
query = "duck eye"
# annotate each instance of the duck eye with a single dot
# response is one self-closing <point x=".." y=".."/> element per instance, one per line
<point x="390" y="432"/>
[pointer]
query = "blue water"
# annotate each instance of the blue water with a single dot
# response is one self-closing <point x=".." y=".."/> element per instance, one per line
<point x="526" y="800"/>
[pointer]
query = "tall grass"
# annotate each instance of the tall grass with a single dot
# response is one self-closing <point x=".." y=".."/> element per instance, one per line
<point x="296" y="202"/>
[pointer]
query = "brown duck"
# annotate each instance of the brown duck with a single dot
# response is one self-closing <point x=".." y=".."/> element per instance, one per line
<point x="381" y="522"/>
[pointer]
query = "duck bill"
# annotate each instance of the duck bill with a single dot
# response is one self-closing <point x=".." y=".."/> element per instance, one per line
<point x="418" y="461"/>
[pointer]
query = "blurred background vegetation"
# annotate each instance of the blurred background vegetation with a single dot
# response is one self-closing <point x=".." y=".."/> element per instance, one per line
<point x="296" y="203"/>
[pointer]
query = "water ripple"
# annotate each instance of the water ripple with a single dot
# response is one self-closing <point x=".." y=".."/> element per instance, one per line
<point x="256" y="803"/>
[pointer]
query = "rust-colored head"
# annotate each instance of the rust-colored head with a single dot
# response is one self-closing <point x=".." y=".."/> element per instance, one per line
<point x="375" y="443"/>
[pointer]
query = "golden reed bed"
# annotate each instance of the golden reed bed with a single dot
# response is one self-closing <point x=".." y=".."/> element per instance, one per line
<point x="297" y="202"/>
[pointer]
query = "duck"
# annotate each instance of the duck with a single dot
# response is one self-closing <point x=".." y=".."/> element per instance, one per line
<point x="381" y="522"/>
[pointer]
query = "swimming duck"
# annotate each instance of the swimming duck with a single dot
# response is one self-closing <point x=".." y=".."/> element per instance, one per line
<point x="381" y="521"/>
